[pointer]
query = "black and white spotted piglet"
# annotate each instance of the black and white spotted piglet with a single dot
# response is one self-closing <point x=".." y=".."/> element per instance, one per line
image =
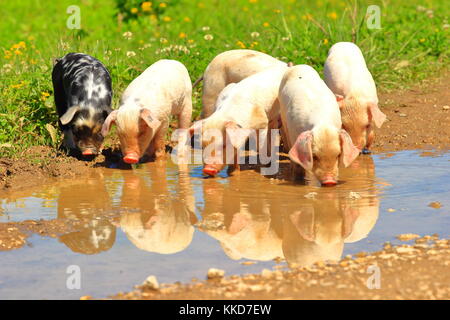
<point x="83" y="94"/>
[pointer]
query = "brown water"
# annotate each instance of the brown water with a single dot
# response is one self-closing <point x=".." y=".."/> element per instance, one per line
<point x="155" y="220"/>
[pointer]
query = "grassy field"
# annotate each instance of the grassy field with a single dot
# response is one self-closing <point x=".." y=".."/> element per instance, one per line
<point x="129" y="35"/>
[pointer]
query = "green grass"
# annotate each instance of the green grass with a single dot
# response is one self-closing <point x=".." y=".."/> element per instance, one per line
<point x="412" y="44"/>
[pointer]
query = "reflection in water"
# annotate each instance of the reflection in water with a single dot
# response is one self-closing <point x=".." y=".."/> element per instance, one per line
<point x="164" y="221"/>
<point x="87" y="200"/>
<point x="251" y="216"/>
<point x="257" y="220"/>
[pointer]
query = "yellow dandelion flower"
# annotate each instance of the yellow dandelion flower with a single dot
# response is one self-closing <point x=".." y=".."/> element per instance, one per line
<point x="167" y="19"/>
<point x="325" y="41"/>
<point x="240" y="44"/>
<point x="134" y="10"/>
<point x="277" y="11"/>
<point x="191" y="41"/>
<point x="162" y="5"/>
<point x="146" y="6"/>
<point x="266" y="24"/>
<point x="253" y="44"/>
<point x="153" y="17"/>
<point x="422" y="40"/>
<point x="45" y="94"/>
<point x="187" y="19"/>
<point x="18" y="52"/>
<point x="332" y="15"/>
<point x="182" y="35"/>
<point x="253" y="1"/>
<point x="21" y="44"/>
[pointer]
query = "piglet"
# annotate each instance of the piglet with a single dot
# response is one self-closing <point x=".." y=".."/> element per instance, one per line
<point x="241" y="108"/>
<point x="311" y="125"/>
<point x="346" y="74"/>
<point x="142" y="120"/>
<point x="82" y="89"/>
<point x="231" y="67"/>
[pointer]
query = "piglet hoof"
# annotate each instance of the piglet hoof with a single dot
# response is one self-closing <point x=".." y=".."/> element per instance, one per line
<point x="366" y="151"/>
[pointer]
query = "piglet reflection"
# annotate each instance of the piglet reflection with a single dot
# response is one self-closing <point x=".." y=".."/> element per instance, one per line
<point x="87" y="200"/>
<point x="278" y="221"/>
<point x="159" y="213"/>
<point x="243" y="225"/>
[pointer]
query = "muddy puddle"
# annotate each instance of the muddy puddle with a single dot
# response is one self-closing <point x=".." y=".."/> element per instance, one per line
<point x="155" y="220"/>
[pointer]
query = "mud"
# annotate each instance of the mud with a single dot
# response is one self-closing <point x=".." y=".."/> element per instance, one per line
<point x="418" y="118"/>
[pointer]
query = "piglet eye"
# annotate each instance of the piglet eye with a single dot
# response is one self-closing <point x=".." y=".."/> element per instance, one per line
<point x="315" y="158"/>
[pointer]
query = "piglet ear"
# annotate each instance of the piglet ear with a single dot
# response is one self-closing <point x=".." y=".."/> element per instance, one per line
<point x="348" y="152"/>
<point x="68" y="116"/>
<point x="110" y="119"/>
<point x="340" y="100"/>
<point x="375" y="113"/>
<point x="150" y="119"/>
<point x="237" y="135"/>
<point x="303" y="222"/>
<point x="301" y="151"/>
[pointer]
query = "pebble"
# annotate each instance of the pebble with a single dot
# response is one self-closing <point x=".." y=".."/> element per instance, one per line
<point x="406" y="250"/>
<point x="266" y="273"/>
<point x="407" y="236"/>
<point x="446" y="107"/>
<point x="151" y="283"/>
<point x="354" y="195"/>
<point x="311" y="195"/>
<point x="214" y="273"/>
<point x="402" y="115"/>
<point x="435" y="205"/>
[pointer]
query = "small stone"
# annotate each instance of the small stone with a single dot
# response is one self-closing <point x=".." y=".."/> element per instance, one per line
<point x="151" y="283"/>
<point x="214" y="273"/>
<point x="446" y="107"/>
<point x="407" y="236"/>
<point x="402" y="115"/>
<point x="406" y="250"/>
<point x="435" y="205"/>
<point x="266" y="273"/>
<point x="354" y="195"/>
<point x="311" y="195"/>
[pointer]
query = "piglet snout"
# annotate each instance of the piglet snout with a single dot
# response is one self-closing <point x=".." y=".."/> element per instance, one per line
<point x="210" y="170"/>
<point x="131" y="158"/>
<point x="88" y="152"/>
<point x="329" y="181"/>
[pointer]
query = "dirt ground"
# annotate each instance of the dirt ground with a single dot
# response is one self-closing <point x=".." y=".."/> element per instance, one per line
<point x="418" y="271"/>
<point x="418" y="118"/>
